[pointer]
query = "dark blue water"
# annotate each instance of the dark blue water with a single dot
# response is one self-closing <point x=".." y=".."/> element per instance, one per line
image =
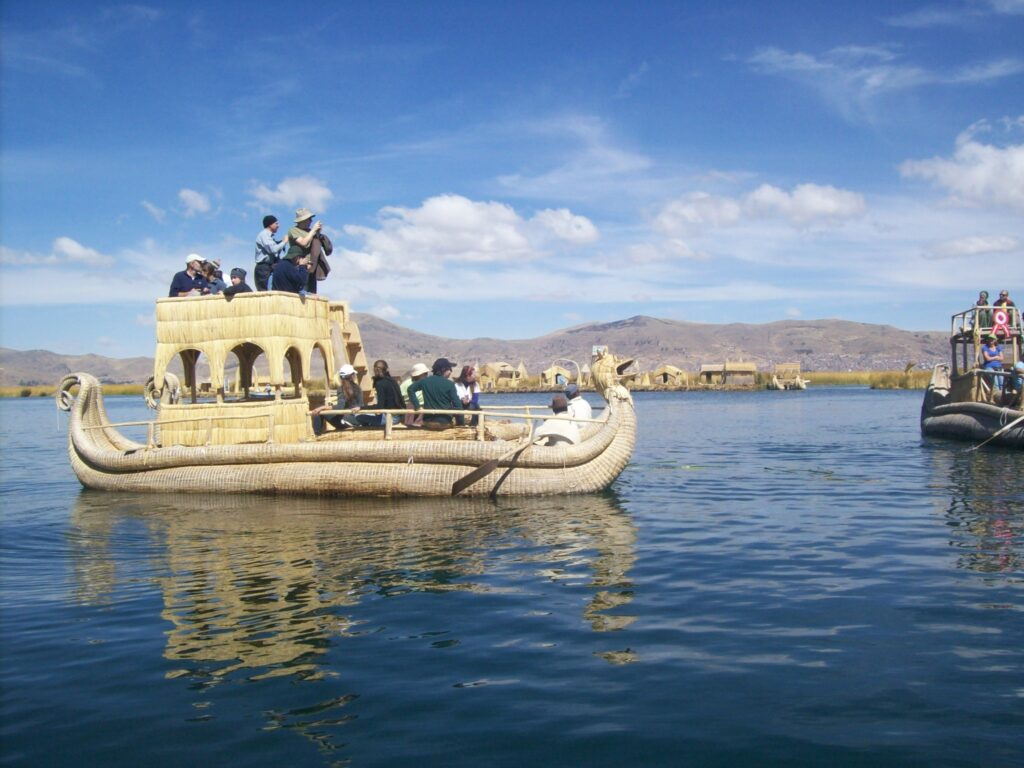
<point x="787" y="578"/>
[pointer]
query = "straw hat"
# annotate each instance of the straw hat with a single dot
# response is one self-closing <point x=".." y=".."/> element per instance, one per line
<point x="418" y="370"/>
<point x="302" y="214"/>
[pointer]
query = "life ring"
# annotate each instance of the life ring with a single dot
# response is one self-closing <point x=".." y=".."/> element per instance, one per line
<point x="1001" y="322"/>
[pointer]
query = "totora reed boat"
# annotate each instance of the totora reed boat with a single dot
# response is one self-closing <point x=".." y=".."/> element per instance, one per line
<point x="966" y="401"/>
<point x="250" y="440"/>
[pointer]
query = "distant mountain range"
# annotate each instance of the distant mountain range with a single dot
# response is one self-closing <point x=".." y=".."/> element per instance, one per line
<point x="819" y="345"/>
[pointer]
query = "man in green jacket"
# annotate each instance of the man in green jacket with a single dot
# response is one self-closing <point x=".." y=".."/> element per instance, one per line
<point x="437" y="392"/>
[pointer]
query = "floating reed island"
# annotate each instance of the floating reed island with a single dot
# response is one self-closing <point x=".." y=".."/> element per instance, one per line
<point x="260" y="441"/>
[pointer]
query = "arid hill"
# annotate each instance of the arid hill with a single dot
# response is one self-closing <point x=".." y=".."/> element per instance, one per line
<point x="819" y="345"/>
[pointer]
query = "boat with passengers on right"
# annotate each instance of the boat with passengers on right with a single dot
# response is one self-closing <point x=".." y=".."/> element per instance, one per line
<point x="967" y="400"/>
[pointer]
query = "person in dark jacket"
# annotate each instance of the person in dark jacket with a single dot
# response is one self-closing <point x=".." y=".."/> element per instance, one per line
<point x="438" y="392"/>
<point x="387" y="389"/>
<point x="290" y="274"/>
<point x="238" y="284"/>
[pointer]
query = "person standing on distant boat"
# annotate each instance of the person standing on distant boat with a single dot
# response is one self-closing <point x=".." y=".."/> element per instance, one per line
<point x="992" y="357"/>
<point x="983" y="312"/>
<point x="578" y="407"/>
<point x="438" y="393"/>
<point x="268" y="251"/>
<point x="1004" y="301"/>
<point x="190" y="281"/>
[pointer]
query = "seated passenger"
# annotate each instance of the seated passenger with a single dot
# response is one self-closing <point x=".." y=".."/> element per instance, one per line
<point x="214" y="277"/>
<point x="418" y="372"/>
<point x="992" y="360"/>
<point x="558" y="429"/>
<point x="290" y="274"/>
<point x="238" y="284"/>
<point x="438" y="393"/>
<point x="578" y="407"/>
<point x="386" y="389"/>
<point x="1017" y="380"/>
<point x="468" y="390"/>
<point x="189" y="282"/>
<point x="349" y="395"/>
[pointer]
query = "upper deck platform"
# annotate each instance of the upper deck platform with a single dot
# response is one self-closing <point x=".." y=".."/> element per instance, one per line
<point x="280" y="325"/>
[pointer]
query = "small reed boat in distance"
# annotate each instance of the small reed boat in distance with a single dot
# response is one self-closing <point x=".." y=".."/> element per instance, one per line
<point x="967" y="401"/>
<point x="260" y="443"/>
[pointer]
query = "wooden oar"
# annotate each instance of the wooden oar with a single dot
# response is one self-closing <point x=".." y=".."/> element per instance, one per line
<point x="1013" y="423"/>
<point x="485" y="469"/>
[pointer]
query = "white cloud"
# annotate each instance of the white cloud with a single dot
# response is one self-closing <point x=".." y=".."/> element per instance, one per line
<point x="979" y="245"/>
<point x="145" y="320"/>
<point x="386" y="311"/>
<point x="977" y="174"/>
<point x="194" y="202"/>
<point x="697" y="209"/>
<point x="792" y="312"/>
<point x="805" y="204"/>
<point x="66" y="249"/>
<point x="453" y="228"/>
<point x="156" y="212"/>
<point x="566" y="225"/>
<point x="295" y="192"/>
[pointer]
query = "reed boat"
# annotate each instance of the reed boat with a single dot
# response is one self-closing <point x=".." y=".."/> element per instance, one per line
<point x="965" y="401"/>
<point x="248" y="440"/>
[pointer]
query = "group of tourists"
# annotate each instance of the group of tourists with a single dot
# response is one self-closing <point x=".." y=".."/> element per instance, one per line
<point x="433" y="389"/>
<point x="417" y="391"/>
<point x="204" y="278"/>
<point x="1000" y="323"/>
<point x="295" y="264"/>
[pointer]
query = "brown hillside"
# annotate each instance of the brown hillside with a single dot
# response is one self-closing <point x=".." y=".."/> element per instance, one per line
<point x="819" y="345"/>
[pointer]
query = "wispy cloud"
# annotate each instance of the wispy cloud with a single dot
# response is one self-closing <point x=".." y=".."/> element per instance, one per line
<point x="155" y="211"/>
<point x="853" y="78"/>
<point x="975" y="246"/>
<point x="955" y="14"/>
<point x="631" y="81"/>
<point x="194" y="202"/>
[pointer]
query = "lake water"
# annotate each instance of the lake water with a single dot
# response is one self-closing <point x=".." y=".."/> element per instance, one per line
<point x="778" y="578"/>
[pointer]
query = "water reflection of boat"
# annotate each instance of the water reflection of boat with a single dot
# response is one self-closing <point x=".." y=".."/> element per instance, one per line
<point x="966" y="401"/>
<point x="985" y="516"/>
<point x="264" y="585"/>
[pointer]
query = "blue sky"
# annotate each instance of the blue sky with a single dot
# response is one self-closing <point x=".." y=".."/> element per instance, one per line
<point x="510" y="169"/>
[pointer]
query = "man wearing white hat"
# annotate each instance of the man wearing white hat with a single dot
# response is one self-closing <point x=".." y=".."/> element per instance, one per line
<point x="190" y="281"/>
<point x="301" y="239"/>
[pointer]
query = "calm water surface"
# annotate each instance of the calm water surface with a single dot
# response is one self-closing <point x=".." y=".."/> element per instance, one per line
<point x="777" y="579"/>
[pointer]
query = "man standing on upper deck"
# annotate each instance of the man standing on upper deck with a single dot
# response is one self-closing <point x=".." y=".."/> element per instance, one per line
<point x="268" y="251"/>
